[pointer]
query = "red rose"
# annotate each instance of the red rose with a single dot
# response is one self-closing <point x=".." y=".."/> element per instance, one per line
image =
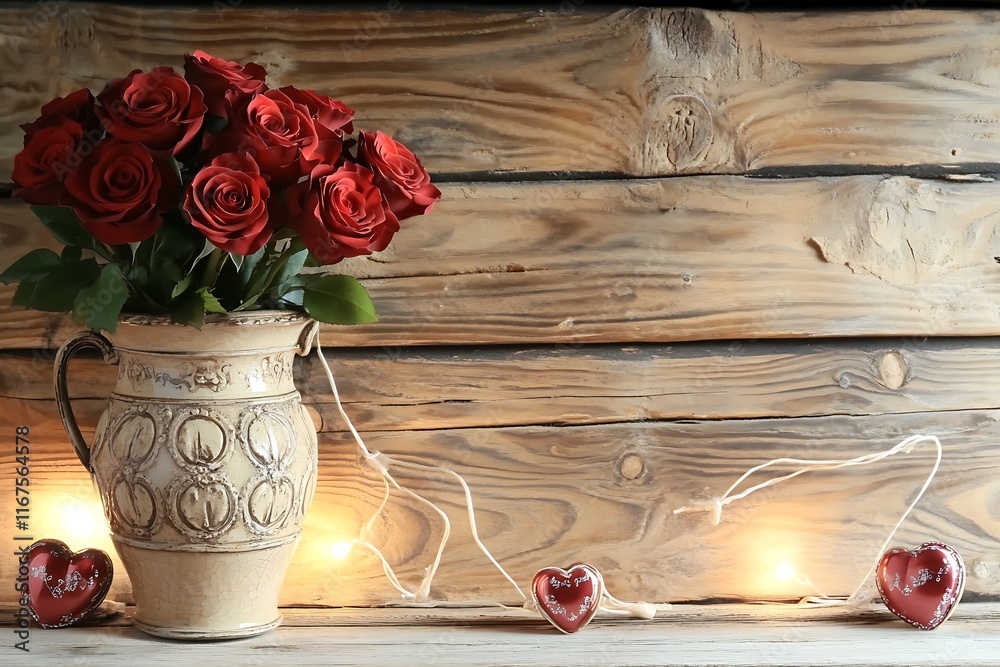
<point x="327" y="113"/>
<point x="281" y="137"/>
<point x="48" y="157"/>
<point x="78" y="106"/>
<point x="158" y="109"/>
<point x="227" y="202"/>
<point x="340" y="213"/>
<point x="221" y="80"/>
<point x="118" y="192"/>
<point x="406" y="184"/>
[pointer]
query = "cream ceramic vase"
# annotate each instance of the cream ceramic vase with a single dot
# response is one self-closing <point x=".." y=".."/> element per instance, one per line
<point x="206" y="463"/>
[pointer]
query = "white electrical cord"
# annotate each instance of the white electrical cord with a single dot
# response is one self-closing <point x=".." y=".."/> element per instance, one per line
<point x="420" y="597"/>
<point x="716" y="505"/>
<point x="381" y="463"/>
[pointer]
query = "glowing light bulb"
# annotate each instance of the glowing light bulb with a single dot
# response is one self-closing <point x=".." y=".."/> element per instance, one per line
<point x="340" y="550"/>
<point x="785" y="571"/>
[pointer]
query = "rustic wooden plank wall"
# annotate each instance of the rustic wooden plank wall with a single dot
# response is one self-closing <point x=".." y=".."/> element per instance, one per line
<point x="604" y="318"/>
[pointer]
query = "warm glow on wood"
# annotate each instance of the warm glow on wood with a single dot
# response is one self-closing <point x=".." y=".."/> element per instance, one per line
<point x="74" y="518"/>
<point x="340" y="550"/>
<point x="785" y="571"/>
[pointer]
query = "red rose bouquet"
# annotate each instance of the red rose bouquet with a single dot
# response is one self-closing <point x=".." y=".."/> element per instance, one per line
<point x="207" y="192"/>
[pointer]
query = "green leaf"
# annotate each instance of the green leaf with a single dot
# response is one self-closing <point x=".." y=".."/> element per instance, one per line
<point x="182" y="286"/>
<point x="291" y="267"/>
<point x="140" y="300"/>
<point x="33" y="265"/>
<point x="338" y="300"/>
<point x="206" y="250"/>
<point x="64" y="225"/>
<point x="138" y="275"/>
<point x="265" y="274"/>
<point x="250" y="263"/>
<point x="142" y="256"/>
<point x="57" y="290"/>
<point x="169" y="273"/>
<point x="176" y="240"/>
<point x="290" y="301"/>
<point x="212" y="304"/>
<point x="22" y="295"/>
<point x="292" y="298"/>
<point x="247" y="304"/>
<point x="227" y="288"/>
<point x="72" y="253"/>
<point x="99" y="303"/>
<point x="290" y="292"/>
<point x="190" y="310"/>
<point x="257" y="280"/>
<point x="164" y="258"/>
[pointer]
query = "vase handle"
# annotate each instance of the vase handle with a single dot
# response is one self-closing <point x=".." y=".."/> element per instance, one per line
<point x="82" y="340"/>
<point x="308" y="338"/>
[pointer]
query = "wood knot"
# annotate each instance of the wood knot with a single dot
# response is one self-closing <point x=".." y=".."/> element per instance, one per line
<point x="688" y="31"/>
<point x="892" y="369"/>
<point x="980" y="570"/>
<point x="678" y="134"/>
<point x="75" y="28"/>
<point x="631" y="465"/>
<point x="623" y="293"/>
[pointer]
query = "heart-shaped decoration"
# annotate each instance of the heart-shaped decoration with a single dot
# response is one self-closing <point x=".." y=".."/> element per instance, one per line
<point x="922" y="586"/>
<point x="568" y="598"/>
<point x="63" y="586"/>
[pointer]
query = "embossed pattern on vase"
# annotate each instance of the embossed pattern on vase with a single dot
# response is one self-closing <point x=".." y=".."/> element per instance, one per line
<point x="222" y="467"/>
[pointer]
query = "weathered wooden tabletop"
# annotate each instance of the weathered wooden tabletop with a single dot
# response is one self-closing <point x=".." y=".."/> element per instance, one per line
<point x="680" y="635"/>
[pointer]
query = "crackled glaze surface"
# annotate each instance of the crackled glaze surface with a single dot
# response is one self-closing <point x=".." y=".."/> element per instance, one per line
<point x="206" y="464"/>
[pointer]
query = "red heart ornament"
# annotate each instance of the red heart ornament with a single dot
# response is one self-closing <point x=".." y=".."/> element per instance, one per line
<point x="922" y="586"/>
<point x="63" y="586"/>
<point x="568" y="598"/>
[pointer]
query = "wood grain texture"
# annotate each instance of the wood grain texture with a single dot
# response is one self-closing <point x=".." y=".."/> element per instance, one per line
<point x="638" y="92"/>
<point x="582" y="453"/>
<point x="605" y="494"/>
<point x="976" y="616"/>
<point x="680" y="636"/>
<point x="446" y="388"/>
<point x="691" y="258"/>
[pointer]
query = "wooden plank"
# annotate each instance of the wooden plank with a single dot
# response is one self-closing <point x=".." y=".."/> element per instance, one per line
<point x="605" y="494"/>
<point x="691" y="636"/>
<point x="691" y="258"/>
<point x="400" y="615"/>
<point x="638" y="92"/>
<point x="446" y="388"/>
